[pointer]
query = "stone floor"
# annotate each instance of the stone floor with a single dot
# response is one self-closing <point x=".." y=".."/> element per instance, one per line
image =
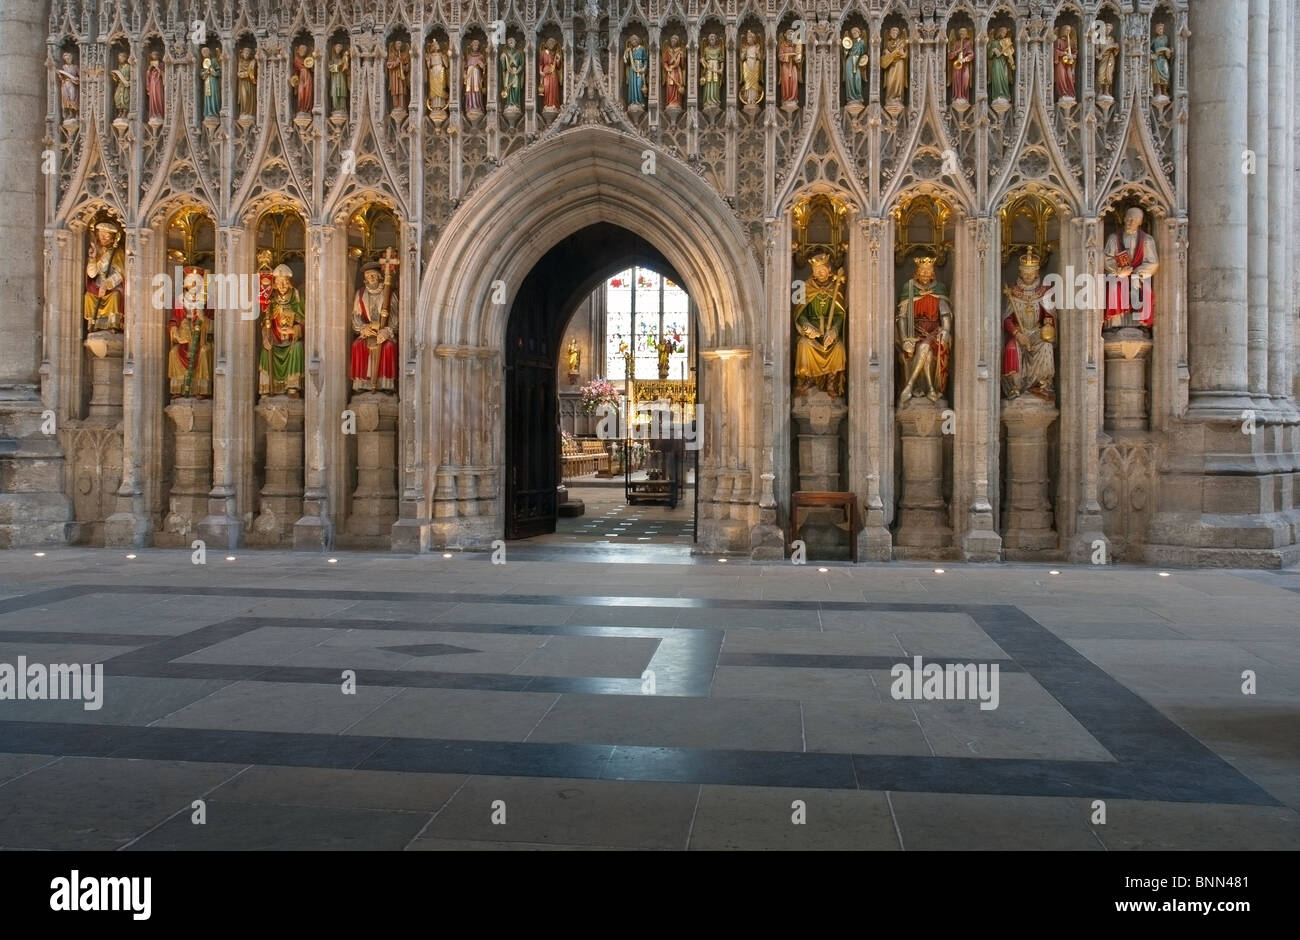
<point x="667" y="702"/>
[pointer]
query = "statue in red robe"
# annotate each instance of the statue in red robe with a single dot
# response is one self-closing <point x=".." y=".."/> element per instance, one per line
<point x="1131" y="263"/>
<point x="374" y="321"/>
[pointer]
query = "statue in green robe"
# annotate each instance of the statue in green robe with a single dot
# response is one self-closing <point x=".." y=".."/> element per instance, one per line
<point x="280" y="361"/>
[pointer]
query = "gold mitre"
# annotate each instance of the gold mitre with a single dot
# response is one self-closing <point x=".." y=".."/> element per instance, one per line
<point x="105" y="225"/>
<point x="264" y="259"/>
<point x="1031" y="258"/>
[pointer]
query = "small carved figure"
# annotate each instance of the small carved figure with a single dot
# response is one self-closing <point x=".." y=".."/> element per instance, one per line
<point x="712" y="65"/>
<point x="246" y="72"/>
<point x="69" y="87"/>
<point x="637" y="60"/>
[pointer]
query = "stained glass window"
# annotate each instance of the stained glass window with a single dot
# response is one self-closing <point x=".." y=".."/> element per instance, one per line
<point x="644" y="308"/>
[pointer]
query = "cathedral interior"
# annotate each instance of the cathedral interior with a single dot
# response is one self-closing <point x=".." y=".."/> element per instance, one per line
<point x="677" y="424"/>
<point x="305" y="276"/>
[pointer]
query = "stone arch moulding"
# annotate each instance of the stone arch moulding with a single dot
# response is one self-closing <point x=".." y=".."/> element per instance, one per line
<point x="580" y="177"/>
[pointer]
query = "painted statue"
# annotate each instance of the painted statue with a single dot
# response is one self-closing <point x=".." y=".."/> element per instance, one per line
<point x="210" y="72"/>
<point x="924" y="334"/>
<point x="475" y="78"/>
<point x="1131" y="263"/>
<point x="573" y="355"/>
<point x="1002" y="63"/>
<point x="69" y="87"/>
<point x="373" y="365"/>
<point x="339" y="72"/>
<point x="789" y="56"/>
<point x="246" y="72"/>
<point x="1162" y="54"/>
<point x="819" y="360"/>
<point x="153" y="89"/>
<point x="674" y="70"/>
<point x="855" y="65"/>
<point x="1028" y="355"/>
<point x="302" y="80"/>
<point x="122" y="86"/>
<point x="637" y="60"/>
<point x="712" y="66"/>
<point x="398" y="65"/>
<point x="550" y="70"/>
<point x="961" y="64"/>
<point x="512" y="74"/>
<point x="1107" y="54"/>
<point x="1065" y="52"/>
<point x="102" y="305"/>
<point x="893" y="65"/>
<point x="280" y="361"/>
<point x="189" y="360"/>
<point x="439" y="68"/>
<point x="751" y="70"/>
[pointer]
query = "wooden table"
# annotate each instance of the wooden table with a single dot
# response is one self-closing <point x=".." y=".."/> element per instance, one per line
<point x="811" y="499"/>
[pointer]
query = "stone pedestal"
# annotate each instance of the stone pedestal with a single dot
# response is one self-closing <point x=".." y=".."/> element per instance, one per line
<point x="1127" y="352"/>
<point x="281" y="497"/>
<point x="922" y="512"/>
<point x="374" y="503"/>
<point x="817" y="418"/>
<point x="191" y="421"/>
<point x="105" y="362"/>
<point x="766" y="540"/>
<point x="1028" y="530"/>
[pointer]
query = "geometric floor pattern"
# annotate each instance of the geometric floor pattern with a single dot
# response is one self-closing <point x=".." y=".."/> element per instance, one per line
<point x="561" y="703"/>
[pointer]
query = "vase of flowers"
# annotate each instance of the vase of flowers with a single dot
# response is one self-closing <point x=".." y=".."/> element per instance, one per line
<point x="595" y="395"/>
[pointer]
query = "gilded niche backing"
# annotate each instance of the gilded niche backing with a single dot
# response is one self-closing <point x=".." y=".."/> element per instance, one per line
<point x="921" y="223"/>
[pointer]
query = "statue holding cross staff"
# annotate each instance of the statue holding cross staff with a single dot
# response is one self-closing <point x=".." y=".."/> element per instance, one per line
<point x="374" y="351"/>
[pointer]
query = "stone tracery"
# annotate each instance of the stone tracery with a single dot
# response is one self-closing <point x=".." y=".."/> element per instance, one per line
<point x="960" y="108"/>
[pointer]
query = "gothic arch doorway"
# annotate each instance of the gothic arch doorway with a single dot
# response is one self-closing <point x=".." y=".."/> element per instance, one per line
<point x="543" y="307"/>
<point x="589" y="178"/>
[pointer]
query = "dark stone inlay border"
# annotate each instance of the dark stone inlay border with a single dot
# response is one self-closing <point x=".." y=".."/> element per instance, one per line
<point x="821" y="771"/>
<point x="840" y="661"/>
<point x="1155" y="758"/>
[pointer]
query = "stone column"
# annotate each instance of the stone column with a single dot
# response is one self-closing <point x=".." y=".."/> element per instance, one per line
<point x="191" y="421"/>
<point x="1029" y="518"/>
<point x="281" y="504"/>
<point x="1217" y="312"/>
<point x="922" y="512"/>
<point x="23" y="105"/>
<point x="1257" y="188"/>
<point x="1281" y="156"/>
<point x="1128" y="350"/>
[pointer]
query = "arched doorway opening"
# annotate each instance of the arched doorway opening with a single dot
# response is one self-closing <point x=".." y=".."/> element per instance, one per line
<point x="573" y="271"/>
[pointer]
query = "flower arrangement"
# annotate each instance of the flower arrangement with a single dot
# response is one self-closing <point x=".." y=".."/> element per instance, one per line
<point x="569" y="439"/>
<point x="596" y="394"/>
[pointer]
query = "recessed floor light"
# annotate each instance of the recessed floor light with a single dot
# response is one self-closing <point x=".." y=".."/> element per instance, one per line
<point x="446" y="554"/>
<point x="130" y="556"/>
<point x="331" y="561"/>
<point x="1164" y="574"/>
<point x="938" y="571"/>
<point x="1053" y="572"/>
<point x="722" y="561"/>
<point x="823" y="570"/>
<point x="230" y="558"/>
<point x="40" y="554"/>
